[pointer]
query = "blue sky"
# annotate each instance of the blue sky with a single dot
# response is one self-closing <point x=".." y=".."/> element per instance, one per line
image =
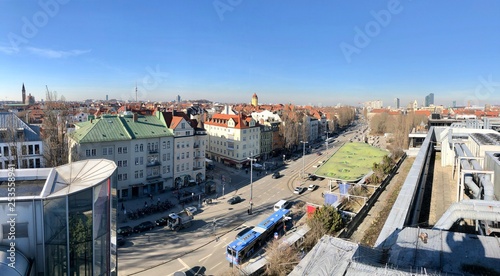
<point x="290" y="51"/>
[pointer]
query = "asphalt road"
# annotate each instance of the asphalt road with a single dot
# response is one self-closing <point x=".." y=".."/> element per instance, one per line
<point x="201" y="247"/>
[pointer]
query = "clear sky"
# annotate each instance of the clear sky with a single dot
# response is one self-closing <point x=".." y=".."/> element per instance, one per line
<point x="300" y="52"/>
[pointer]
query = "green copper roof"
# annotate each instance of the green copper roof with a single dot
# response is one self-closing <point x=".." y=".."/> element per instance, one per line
<point x="119" y="128"/>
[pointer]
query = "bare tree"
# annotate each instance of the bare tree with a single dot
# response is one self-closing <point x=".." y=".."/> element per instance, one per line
<point x="289" y="130"/>
<point x="281" y="258"/>
<point x="54" y="130"/>
<point x="13" y="136"/>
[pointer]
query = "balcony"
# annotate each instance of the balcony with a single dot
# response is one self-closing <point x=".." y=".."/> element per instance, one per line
<point x="153" y="150"/>
<point x="153" y="176"/>
<point x="153" y="164"/>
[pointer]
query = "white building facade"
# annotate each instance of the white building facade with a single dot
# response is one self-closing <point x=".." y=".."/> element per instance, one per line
<point x="232" y="139"/>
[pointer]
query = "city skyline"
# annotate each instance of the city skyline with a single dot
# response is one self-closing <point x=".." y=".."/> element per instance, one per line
<point x="225" y="51"/>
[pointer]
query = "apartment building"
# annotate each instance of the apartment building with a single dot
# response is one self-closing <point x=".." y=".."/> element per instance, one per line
<point x="232" y="139"/>
<point x="141" y="146"/>
<point x="20" y="143"/>
<point x="190" y="140"/>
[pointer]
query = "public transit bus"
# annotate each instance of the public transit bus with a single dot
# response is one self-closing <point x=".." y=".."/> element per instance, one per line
<point x="241" y="249"/>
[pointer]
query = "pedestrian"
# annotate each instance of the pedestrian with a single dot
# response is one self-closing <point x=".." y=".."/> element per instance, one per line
<point x="123" y="207"/>
<point x="146" y="204"/>
<point x="159" y="201"/>
<point x="151" y="196"/>
<point x="248" y="211"/>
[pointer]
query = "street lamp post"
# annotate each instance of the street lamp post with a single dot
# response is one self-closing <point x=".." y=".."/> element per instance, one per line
<point x="303" y="154"/>
<point x="251" y="181"/>
<point x="326" y="141"/>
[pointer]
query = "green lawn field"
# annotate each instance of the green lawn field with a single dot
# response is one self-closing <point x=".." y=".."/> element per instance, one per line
<point x="351" y="162"/>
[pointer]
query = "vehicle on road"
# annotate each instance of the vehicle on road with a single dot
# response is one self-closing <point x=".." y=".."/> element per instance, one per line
<point x="244" y="231"/>
<point x="192" y="209"/>
<point x="312" y="187"/>
<point x="234" y="200"/>
<point x="242" y="248"/>
<point x="120" y="240"/>
<point x="312" y="177"/>
<point x="282" y="204"/>
<point x="276" y="175"/>
<point x="125" y="231"/>
<point x="144" y="226"/>
<point x="181" y="220"/>
<point x="161" y="221"/>
<point x="299" y="190"/>
<point x="318" y="153"/>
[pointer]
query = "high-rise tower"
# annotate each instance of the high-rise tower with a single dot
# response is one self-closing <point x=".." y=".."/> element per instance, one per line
<point x="24" y="94"/>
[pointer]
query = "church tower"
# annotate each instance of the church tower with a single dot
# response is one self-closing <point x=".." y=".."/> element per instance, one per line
<point x="24" y="95"/>
<point x="255" y="100"/>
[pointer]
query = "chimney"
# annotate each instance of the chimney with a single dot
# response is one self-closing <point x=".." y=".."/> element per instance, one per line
<point x="134" y="117"/>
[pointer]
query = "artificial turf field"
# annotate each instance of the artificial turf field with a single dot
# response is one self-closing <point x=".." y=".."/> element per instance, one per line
<point x="351" y="162"/>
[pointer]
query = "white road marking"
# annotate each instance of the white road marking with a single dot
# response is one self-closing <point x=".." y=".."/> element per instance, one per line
<point x="183" y="263"/>
<point x="215" y="266"/>
<point x="205" y="257"/>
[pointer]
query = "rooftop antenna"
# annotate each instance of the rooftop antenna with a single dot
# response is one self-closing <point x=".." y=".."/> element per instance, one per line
<point x="135" y="91"/>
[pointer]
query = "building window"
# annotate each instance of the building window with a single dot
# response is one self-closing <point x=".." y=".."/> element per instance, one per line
<point x="187" y="154"/>
<point x="178" y="167"/>
<point x="168" y="156"/>
<point x="188" y="133"/>
<point x="149" y="146"/>
<point x="125" y="163"/>
<point x="125" y="150"/>
<point x="141" y="148"/>
<point x="164" y="157"/>
<point x="120" y="177"/>
<point x="164" y="169"/>
<point x="30" y="150"/>
<point x="183" y="155"/>
<point x="141" y="173"/>
<point x="182" y="167"/>
<point x="168" y="144"/>
<point x="119" y="150"/>
<point x="142" y="160"/>
<point x="168" y="168"/>
<point x="37" y="149"/>
<point x="183" y="125"/>
<point x="124" y="176"/>
<point x="136" y="148"/>
<point x="136" y="174"/>
<point x="137" y="160"/>
<point x="164" y="145"/>
<point x="119" y="163"/>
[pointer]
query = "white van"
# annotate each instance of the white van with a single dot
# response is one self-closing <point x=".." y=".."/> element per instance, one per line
<point x="282" y="204"/>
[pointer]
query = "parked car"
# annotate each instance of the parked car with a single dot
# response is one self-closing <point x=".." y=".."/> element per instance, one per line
<point x="276" y="175"/>
<point x="299" y="190"/>
<point x="234" y="200"/>
<point x="125" y="231"/>
<point x="312" y="187"/>
<point x="312" y="177"/>
<point x="161" y="221"/>
<point x="318" y="153"/>
<point x="144" y="226"/>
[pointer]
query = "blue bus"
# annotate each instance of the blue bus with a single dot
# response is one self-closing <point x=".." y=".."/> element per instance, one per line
<point x="243" y="247"/>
